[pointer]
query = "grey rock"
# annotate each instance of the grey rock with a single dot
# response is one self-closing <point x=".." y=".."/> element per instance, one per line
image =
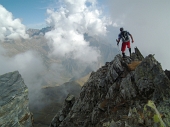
<point x="14" y="109"/>
<point x="61" y="115"/>
<point x="167" y="72"/>
<point x="113" y="124"/>
<point x="109" y="99"/>
<point x="70" y="98"/>
<point x="61" y="118"/>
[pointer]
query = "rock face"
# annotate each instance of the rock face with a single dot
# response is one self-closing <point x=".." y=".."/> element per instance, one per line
<point x="118" y="96"/>
<point x="167" y="73"/>
<point x="14" y="110"/>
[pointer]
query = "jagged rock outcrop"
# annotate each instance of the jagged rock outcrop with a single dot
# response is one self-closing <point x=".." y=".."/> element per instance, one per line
<point x="167" y="73"/>
<point x="14" y="110"/>
<point x="131" y="92"/>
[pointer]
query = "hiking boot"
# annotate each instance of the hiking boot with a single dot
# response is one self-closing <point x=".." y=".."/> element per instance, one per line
<point x="123" y="55"/>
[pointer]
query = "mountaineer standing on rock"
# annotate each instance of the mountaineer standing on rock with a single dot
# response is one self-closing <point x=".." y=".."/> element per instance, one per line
<point x="124" y="35"/>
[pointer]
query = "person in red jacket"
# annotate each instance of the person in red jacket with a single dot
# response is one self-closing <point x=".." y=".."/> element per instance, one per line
<point x="124" y="36"/>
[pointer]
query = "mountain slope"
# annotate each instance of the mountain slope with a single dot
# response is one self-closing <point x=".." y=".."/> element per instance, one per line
<point x="118" y="96"/>
<point x="83" y="80"/>
<point x="71" y="68"/>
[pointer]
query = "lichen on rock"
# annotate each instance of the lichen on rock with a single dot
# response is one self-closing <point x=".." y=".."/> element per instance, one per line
<point x="118" y="96"/>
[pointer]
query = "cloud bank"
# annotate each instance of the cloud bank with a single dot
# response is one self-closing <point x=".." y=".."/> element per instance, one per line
<point x="148" y="22"/>
<point x="70" y="22"/>
<point x="29" y="65"/>
<point x="10" y="28"/>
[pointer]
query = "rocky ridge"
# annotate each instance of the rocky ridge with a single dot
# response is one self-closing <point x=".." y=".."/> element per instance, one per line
<point x="14" y="111"/>
<point x="131" y="92"/>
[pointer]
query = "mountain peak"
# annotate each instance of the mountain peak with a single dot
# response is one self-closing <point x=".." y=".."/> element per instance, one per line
<point x="129" y="92"/>
<point x="36" y="32"/>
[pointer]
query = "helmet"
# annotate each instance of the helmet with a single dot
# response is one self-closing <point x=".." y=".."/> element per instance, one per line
<point x="121" y="29"/>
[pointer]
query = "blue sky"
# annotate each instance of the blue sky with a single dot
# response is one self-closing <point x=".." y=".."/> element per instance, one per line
<point x="147" y="21"/>
<point x="31" y="12"/>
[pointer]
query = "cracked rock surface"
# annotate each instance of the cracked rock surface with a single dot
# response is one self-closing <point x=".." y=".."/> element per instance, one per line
<point x="14" y="110"/>
<point x="118" y="96"/>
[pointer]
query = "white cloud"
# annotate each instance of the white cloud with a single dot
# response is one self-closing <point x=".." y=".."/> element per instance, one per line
<point x="71" y="21"/>
<point x="148" y="22"/>
<point x="29" y="65"/>
<point x="36" y="26"/>
<point x="10" y="28"/>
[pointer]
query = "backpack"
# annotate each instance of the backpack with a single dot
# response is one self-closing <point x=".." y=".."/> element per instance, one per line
<point x="125" y="36"/>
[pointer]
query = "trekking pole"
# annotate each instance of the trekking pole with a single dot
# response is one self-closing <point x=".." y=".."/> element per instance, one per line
<point x="118" y="49"/>
<point x="133" y="46"/>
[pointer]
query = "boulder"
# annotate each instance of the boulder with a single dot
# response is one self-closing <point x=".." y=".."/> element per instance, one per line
<point x="14" y="111"/>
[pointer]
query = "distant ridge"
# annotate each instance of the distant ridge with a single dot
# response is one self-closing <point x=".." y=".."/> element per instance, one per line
<point x="37" y="32"/>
